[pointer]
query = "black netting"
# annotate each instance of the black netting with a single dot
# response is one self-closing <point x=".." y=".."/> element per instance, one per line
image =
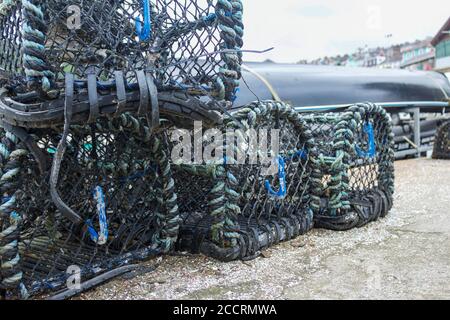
<point x="10" y="42"/>
<point x="116" y="164"/>
<point x="354" y="169"/>
<point x="183" y="44"/>
<point x="86" y="88"/>
<point x="442" y="142"/>
<point x="236" y="210"/>
<point x="331" y="170"/>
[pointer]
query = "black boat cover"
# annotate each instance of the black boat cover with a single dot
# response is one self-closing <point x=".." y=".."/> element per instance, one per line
<point x="305" y="85"/>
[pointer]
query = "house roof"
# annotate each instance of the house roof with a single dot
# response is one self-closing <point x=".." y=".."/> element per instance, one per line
<point x="440" y="34"/>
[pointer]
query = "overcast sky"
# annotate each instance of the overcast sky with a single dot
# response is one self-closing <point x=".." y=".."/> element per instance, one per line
<point x="308" y="29"/>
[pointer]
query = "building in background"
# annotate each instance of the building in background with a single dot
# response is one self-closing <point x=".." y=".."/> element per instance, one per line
<point x="441" y="42"/>
<point x="390" y="57"/>
<point x="374" y="58"/>
<point x="354" y="61"/>
<point x="419" y="55"/>
<point x="393" y="58"/>
<point x="425" y="55"/>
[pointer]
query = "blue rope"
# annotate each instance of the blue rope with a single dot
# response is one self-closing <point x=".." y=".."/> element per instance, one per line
<point x="144" y="30"/>
<point x="101" y="238"/>
<point x="235" y="94"/>
<point x="210" y="17"/>
<point x="368" y="129"/>
<point x="281" y="193"/>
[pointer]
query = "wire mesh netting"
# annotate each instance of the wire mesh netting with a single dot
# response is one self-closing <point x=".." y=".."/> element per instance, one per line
<point x="86" y="161"/>
<point x="186" y="45"/>
<point x="260" y="196"/>
<point x="441" y="148"/>
<point x="115" y="175"/>
<point x="86" y="178"/>
<point x="354" y="173"/>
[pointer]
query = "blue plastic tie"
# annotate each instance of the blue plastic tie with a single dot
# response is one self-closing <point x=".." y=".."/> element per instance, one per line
<point x="210" y="17"/>
<point x="144" y="31"/>
<point x="101" y="238"/>
<point x="368" y="128"/>
<point x="235" y="93"/>
<point x="281" y="193"/>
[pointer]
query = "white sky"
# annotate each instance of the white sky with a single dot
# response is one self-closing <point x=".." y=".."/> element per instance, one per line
<point x="308" y="29"/>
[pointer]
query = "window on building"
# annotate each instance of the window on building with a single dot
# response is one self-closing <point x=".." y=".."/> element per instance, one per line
<point x="443" y="49"/>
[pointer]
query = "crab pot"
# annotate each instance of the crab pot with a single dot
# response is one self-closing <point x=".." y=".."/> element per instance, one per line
<point x="238" y="208"/>
<point x="354" y="169"/>
<point x="115" y="180"/>
<point x="442" y="142"/>
<point x="86" y="88"/>
<point x="191" y="46"/>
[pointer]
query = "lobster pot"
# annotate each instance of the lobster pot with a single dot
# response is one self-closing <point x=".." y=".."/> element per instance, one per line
<point x="257" y="194"/>
<point x="354" y="172"/>
<point x="442" y="142"/>
<point x="115" y="180"/>
<point x="185" y="45"/>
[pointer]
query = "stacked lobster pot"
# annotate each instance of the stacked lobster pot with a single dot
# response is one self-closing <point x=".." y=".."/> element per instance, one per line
<point x="88" y="91"/>
<point x="442" y="142"/>
<point x="97" y="166"/>
<point x="256" y="192"/>
<point x="353" y="178"/>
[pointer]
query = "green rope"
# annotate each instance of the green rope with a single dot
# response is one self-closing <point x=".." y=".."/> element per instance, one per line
<point x="6" y="6"/>
<point x="441" y="148"/>
<point x="36" y="67"/>
<point x="229" y="16"/>
<point x="343" y="150"/>
<point x="169" y="217"/>
<point x="224" y="197"/>
<point x="10" y="221"/>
